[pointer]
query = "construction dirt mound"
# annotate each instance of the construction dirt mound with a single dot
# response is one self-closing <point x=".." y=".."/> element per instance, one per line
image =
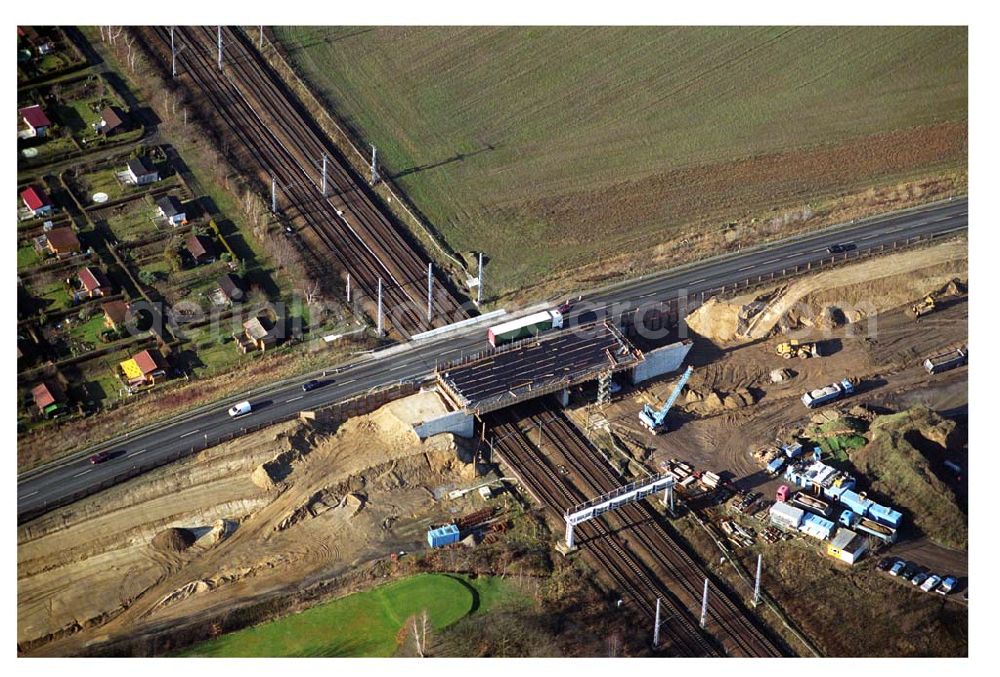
<point x="706" y="403"/>
<point x="832" y="298"/>
<point x="174" y="539"/>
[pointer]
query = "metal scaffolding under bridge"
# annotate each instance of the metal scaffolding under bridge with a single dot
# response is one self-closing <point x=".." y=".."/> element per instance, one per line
<point x="622" y="496"/>
<point x="500" y="377"/>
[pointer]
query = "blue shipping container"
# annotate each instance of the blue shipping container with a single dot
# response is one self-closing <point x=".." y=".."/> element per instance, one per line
<point x="887" y="516"/>
<point x="792" y="450"/>
<point x="854" y="501"/>
<point x="445" y="535"/>
<point x="775" y="465"/>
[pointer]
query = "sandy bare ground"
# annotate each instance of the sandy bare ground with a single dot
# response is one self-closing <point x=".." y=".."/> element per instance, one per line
<point x="858" y="291"/>
<point x="299" y="501"/>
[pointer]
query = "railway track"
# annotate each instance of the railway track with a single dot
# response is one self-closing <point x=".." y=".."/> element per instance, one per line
<point x="634" y="580"/>
<point x="726" y="620"/>
<point x="277" y="140"/>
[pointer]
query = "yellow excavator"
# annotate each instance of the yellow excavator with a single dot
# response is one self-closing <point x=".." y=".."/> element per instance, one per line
<point x="924" y="307"/>
<point x="796" y="348"/>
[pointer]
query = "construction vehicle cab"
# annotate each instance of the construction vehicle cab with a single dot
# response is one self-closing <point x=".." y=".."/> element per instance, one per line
<point x="927" y="305"/>
<point x="795" y="348"/>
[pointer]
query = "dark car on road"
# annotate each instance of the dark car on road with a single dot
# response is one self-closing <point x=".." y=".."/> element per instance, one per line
<point x="840" y="248"/>
<point x="100" y="457"/>
<point x="886" y="563"/>
<point x="311" y="385"/>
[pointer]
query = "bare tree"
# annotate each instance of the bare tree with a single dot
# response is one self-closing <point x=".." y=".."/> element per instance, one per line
<point x="312" y="294"/>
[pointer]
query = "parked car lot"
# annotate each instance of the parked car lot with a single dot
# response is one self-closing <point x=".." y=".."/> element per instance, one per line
<point x="926" y="581"/>
<point x="947" y="585"/>
<point x="930" y="583"/>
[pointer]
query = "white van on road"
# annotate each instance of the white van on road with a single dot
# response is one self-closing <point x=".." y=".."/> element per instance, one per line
<point x="239" y="409"/>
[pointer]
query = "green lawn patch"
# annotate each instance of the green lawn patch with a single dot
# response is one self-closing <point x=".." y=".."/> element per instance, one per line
<point x="89" y="331"/>
<point x="215" y="355"/>
<point x="55" y="293"/>
<point x="362" y="624"/>
<point x="133" y="222"/>
<point x="27" y="256"/>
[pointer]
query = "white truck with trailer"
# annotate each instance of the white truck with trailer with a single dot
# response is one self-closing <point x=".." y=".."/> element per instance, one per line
<point x="935" y="364"/>
<point x="524" y="327"/>
<point x="834" y="391"/>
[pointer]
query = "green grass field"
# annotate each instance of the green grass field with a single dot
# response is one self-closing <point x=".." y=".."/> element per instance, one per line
<point x="27" y="256"/>
<point x="362" y="624"/>
<point x="549" y="147"/>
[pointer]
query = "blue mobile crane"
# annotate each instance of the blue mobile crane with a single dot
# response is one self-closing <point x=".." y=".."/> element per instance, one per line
<point x="656" y="419"/>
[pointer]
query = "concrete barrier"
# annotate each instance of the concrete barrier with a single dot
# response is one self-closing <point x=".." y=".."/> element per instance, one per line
<point x="661" y="361"/>
<point x="457" y="422"/>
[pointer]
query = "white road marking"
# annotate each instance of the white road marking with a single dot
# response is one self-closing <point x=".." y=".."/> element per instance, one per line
<point x="771" y="261"/>
<point x="701" y="280"/>
<point x="83" y="473"/>
<point x="297" y="397"/>
<point x="27" y="495"/>
<point x="190" y="433"/>
<point x="745" y="268"/>
<point x="344" y="383"/>
<point x="136" y="453"/>
<point x="398" y="366"/>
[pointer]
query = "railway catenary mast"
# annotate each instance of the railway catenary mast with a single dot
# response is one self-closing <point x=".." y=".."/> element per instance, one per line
<point x="253" y="109"/>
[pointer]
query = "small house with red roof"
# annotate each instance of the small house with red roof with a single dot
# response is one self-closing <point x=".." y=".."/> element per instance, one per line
<point x="36" y="201"/>
<point x="144" y="368"/>
<point x="94" y="282"/>
<point x="36" y="120"/>
<point x="49" y="397"/>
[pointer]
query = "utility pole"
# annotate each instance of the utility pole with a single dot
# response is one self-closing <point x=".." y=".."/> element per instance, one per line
<point x="260" y="40"/>
<point x="704" y="605"/>
<point x="274" y="195"/>
<point x="220" y="47"/>
<point x="479" y="287"/>
<point x="173" y="55"/>
<point x="379" y="318"/>
<point x="374" y="168"/>
<point x="324" y="174"/>
<point x="656" y="625"/>
<point x="430" y="289"/>
<point x="348" y="287"/>
<point x="756" y="587"/>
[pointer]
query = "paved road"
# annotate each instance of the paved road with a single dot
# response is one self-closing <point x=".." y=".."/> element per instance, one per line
<point x="416" y="360"/>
